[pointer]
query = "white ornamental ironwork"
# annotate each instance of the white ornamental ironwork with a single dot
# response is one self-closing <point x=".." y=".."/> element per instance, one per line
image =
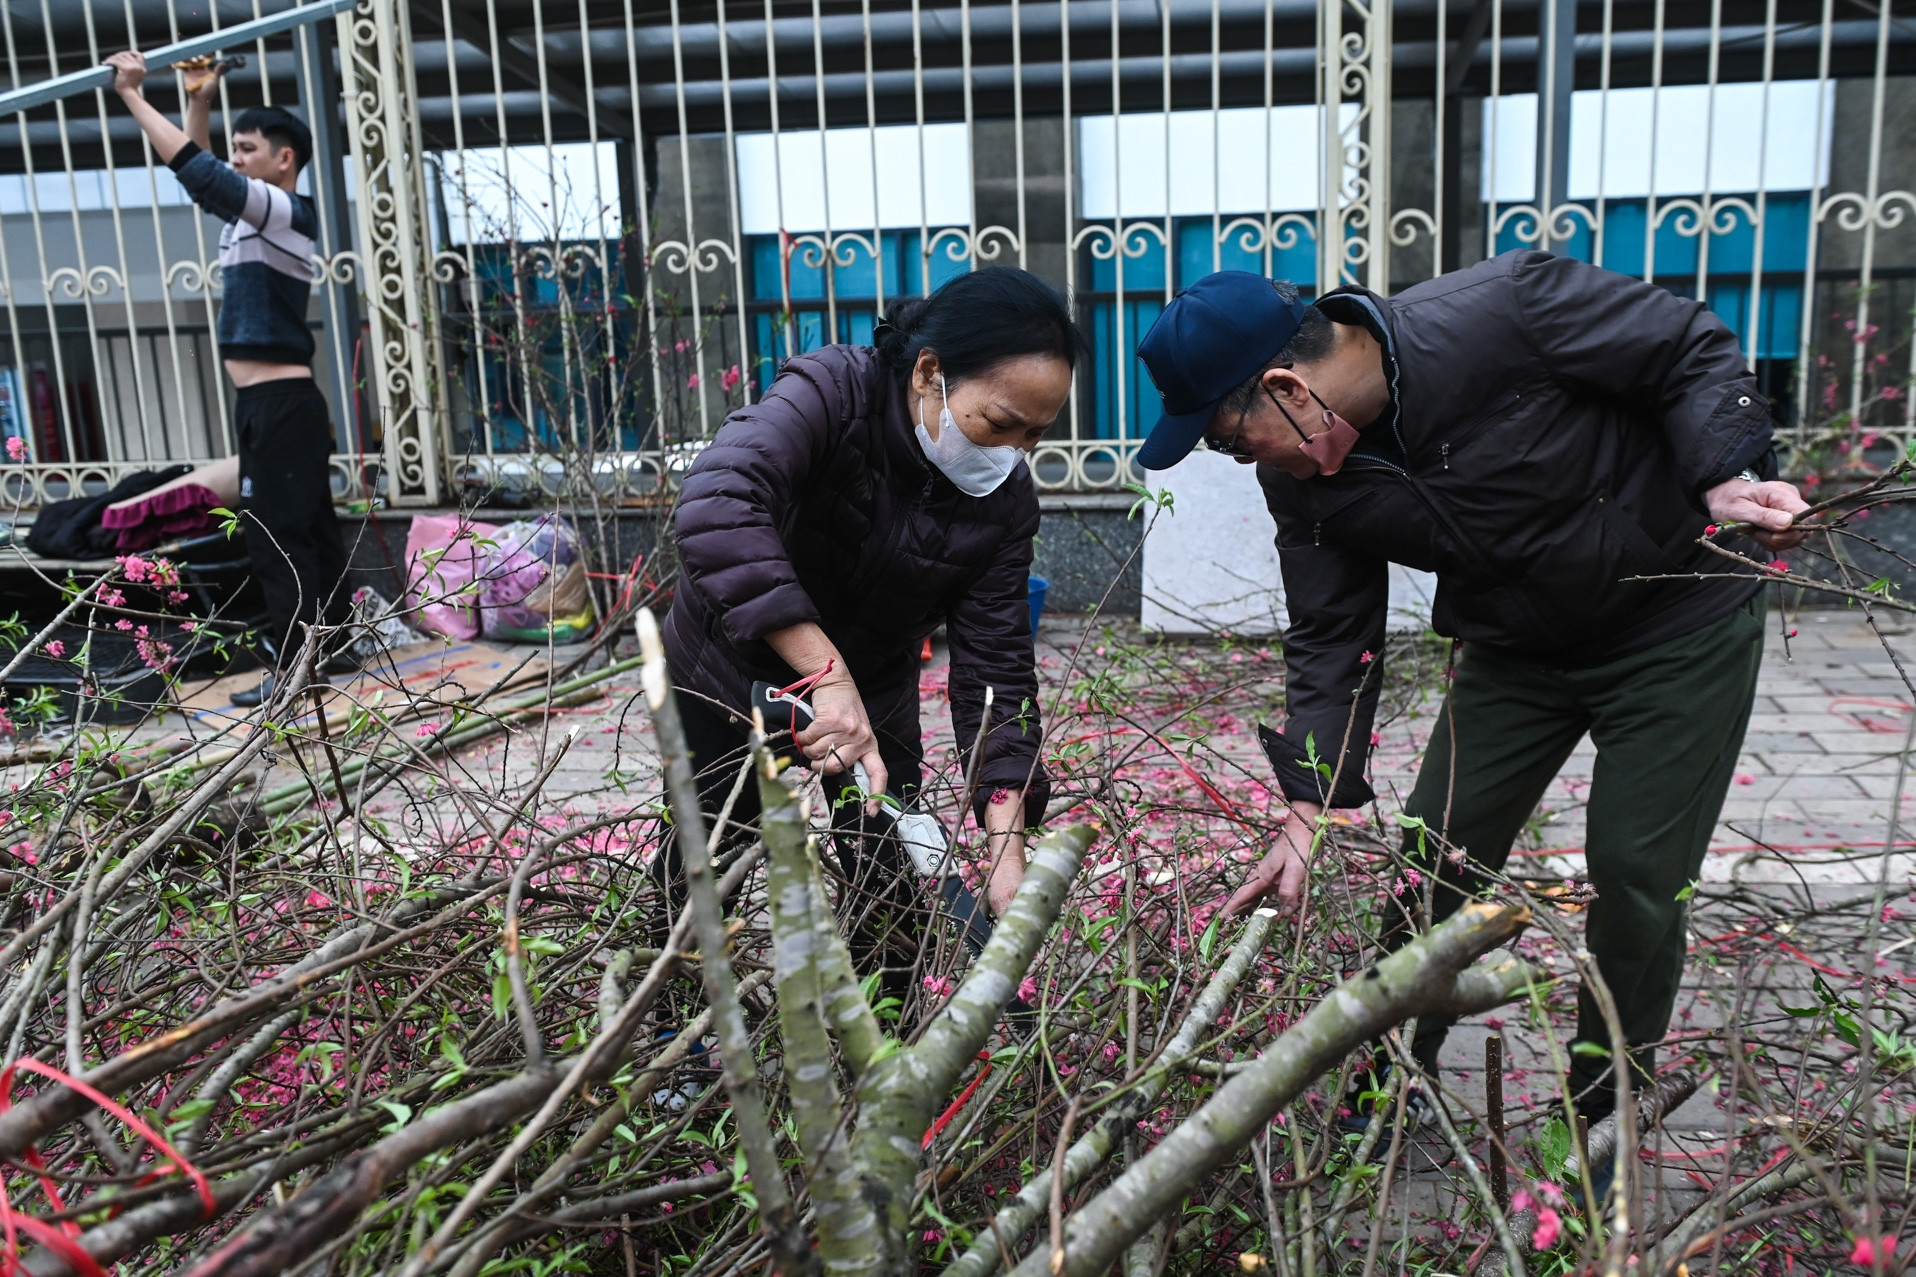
<point x="1130" y="167"/>
<point x="1353" y="243"/>
<point x="389" y="159"/>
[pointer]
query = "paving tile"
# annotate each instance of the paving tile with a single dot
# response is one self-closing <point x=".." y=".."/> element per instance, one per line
<point x="1783" y="743"/>
<point x="1855" y="684"/>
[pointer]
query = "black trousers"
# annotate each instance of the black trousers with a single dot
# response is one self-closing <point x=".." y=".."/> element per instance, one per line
<point x="1668" y="725"/>
<point x="879" y="899"/>
<point x="286" y="499"/>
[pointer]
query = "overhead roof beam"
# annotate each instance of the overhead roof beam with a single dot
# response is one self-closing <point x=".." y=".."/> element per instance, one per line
<point x="523" y="65"/>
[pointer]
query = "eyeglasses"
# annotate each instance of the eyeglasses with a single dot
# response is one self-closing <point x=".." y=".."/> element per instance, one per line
<point x="1231" y="447"/>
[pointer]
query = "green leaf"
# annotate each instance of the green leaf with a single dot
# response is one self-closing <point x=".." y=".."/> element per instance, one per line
<point x="1208" y="940"/>
<point x="1689" y="891"/>
<point x="741" y="1178"/>
<point x="402" y="1114"/>
<point x="1163" y="499"/>
<point x="1554" y="1146"/>
<point x="1592" y="1050"/>
<point x="184" y="1115"/>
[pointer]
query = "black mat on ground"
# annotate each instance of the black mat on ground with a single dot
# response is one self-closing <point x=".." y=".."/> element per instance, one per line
<point x="116" y="685"/>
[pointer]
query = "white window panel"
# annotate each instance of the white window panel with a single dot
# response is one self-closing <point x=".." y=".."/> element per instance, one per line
<point x="1609" y="155"/>
<point x="1287" y="181"/>
<point x="911" y="190"/>
<point x="567" y="191"/>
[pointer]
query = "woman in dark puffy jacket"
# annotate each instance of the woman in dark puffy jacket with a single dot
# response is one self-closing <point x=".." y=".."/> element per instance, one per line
<point x="871" y="495"/>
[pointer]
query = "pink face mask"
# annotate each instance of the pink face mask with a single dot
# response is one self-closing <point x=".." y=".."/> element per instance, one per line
<point x="1329" y="447"/>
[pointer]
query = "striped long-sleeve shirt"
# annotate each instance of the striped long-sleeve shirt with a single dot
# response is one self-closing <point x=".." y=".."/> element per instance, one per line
<point x="266" y="250"/>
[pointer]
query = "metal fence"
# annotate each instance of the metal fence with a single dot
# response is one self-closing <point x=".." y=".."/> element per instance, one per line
<point x="560" y="241"/>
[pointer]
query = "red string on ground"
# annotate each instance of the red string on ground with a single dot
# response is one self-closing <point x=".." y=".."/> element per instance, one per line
<point x="1224" y="804"/>
<point x="944" y="1119"/>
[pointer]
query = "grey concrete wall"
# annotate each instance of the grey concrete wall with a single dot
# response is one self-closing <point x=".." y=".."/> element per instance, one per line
<point x="995" y="190"/>
<point x="1088" y="550"/>
<point x="1850" y="164"/>
<point x="711" y="211"/>
<point x="1413" y="185"/>
<point x="718" y="335"/>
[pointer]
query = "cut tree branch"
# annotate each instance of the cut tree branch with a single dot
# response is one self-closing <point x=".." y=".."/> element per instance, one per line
<point x="1420" y="976"/>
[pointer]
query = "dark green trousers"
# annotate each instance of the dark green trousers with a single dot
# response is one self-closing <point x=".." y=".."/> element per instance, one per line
<point x="1668" y="724"/>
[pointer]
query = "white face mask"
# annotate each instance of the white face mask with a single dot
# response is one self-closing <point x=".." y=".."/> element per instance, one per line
<point x="974" y="470"/>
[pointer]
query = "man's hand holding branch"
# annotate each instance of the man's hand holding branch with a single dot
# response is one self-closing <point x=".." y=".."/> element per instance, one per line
<point x="1285" y="872"/>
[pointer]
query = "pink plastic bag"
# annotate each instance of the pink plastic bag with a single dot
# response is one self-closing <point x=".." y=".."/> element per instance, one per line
<point x="444" y="564"/>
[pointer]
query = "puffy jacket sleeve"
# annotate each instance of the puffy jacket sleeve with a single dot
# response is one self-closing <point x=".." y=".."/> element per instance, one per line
<point x="1616" y="337"/>
<point x="1333" y="653"/>
<point x="733" y="503"/>
<point x="989" y="632"/>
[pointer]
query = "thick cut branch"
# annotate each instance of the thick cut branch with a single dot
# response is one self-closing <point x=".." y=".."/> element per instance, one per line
<point x="982" y="1260"/>
<point x="802" y="933"/>
<point x="467" y="1258"/>
<point x="640" y="1198"/>
<point x="900" y="1093"/>
<point x="795" y="865"/>
<point x="791" y="1250"/>
<point x="336" y="1199"/>
<point x="27" y="1123"/>
<point x="1419" y="976"/>
<point x="280" y="1239"/>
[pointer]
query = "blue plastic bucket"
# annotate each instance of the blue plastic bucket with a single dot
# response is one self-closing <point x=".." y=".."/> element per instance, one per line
<point x="1035" y="591"/>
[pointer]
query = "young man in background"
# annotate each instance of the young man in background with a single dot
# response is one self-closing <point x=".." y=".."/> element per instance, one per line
<point x="281" y="419"/>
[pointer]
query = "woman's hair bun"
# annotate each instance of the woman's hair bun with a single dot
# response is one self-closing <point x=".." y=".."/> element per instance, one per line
<point x="892" y="334"/>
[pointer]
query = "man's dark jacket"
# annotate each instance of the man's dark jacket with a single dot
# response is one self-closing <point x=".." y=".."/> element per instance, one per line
<point x="817" y="504"/>
<point x="1553" y="429"/>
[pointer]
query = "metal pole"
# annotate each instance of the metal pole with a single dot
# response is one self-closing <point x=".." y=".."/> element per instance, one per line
<point x="1556" y="80"/>
<point x="65" y="86"/>
<point x="319" y="78"/>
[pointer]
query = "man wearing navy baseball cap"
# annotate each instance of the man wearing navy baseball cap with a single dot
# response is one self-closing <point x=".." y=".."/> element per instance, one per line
<point x="1554" y="441"/>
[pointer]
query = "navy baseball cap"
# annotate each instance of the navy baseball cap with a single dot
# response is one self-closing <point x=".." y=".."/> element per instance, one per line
<point x="1211" y="339"/>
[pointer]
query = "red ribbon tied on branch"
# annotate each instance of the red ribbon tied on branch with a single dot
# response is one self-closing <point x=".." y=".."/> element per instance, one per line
<point x="61" y="1239"/>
